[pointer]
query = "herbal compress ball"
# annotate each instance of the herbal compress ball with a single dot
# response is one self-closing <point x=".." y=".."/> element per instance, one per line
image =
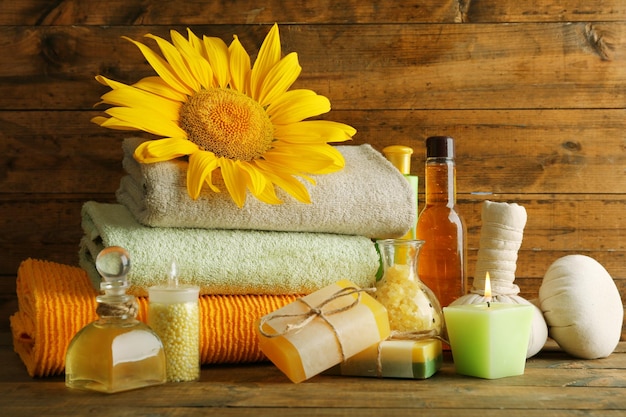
<point x="582" y="307"/>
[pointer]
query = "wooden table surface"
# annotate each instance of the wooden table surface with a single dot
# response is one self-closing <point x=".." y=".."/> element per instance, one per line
<point x="554" y="384"/>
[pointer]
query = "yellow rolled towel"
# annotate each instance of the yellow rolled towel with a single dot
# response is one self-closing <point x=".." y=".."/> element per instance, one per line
<point x="55" y="301"/>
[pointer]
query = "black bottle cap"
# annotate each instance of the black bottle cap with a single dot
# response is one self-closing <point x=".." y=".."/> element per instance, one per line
<point x="440" y="147"/>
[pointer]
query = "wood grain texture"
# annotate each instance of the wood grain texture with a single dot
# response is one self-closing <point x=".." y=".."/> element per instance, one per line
<point x="534" y="93"/>
<point x="553" y="385"/>
<point x="553" y="152"/>
<point x="147" y="12"/>
<point x="370" y="66"/>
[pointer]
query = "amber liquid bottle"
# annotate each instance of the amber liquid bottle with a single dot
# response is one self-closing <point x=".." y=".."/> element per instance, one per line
<point x="443" y="258"/>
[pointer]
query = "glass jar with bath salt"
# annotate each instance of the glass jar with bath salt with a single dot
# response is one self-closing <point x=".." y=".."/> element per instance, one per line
<point x="116" y="352"/>
<point x="412" y="307"/>
<point x="174" y="314"/>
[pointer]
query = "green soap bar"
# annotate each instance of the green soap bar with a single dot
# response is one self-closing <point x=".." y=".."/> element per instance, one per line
<point x="414" y="359"/>
<point x="423" y="370"/>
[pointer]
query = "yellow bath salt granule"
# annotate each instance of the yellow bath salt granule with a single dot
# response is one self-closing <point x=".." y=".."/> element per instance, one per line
<point x="408" y="301"/>
<point x="178" y="327"/>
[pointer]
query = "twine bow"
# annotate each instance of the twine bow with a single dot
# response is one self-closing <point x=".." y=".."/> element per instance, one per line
<point x="316" y="312"/>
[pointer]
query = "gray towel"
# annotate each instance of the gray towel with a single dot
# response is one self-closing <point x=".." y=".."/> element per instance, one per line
<point x="369" y="197"/>
<point x="226" y="261"/>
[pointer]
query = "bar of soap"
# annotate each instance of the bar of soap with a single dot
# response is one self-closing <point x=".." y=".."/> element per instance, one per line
<point x="303" y="344"/>
<point x="413" y="359"/>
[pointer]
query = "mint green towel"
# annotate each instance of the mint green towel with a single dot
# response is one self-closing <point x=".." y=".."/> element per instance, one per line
<point x="226" y="261"/>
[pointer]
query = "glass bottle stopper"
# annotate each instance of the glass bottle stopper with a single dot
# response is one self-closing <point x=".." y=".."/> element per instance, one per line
<point x="113" y="264"/>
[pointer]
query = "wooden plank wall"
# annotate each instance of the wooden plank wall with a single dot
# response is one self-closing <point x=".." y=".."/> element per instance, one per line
<point x="533" y="91"/>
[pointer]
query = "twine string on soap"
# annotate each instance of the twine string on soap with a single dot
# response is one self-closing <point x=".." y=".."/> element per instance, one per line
<point x="123" y="309"/>
<point x="413" y="335"/>
<point x="316" y="312"/>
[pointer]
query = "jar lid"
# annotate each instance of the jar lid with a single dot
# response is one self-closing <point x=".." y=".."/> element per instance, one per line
<point x="440" y="147"/>
<point x="166" y="294"/>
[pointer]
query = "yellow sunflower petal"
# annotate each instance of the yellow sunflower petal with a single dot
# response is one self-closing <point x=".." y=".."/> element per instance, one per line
<point x="295" y="189"/>
<point x="201" y="166"/>
<point x="239" y="66"/>
<point x="279" y="79"/>
<point x="256" y="182"/>
<point x="195" y="41"/>
<point x="283" y="171"/>
<point x="145" y="120"/>
<point x="198" y="65"/>
<point x="314" y="159"/>
<point x="117" y="124"/>
<point x="109" y="82"/>
<point x="157" y="86"/>
<point x="162" y="67"/>
<point x="217" y="55"/>
<point x="283" y="103"/>
<point x="297" y="105"/>
<point x="134" y="97"/>
<point x="269" y="195"/>
<point x="286" y="181"/>
<point x="326" y="126"/>
<point x="293" y="133"/>
<point x="164" y="149"/>
<point x="314" y="131"/>
<point x="176" y="60"/>
<point x="113" y="123"/>
<point x="235" y="180"/>
<point x="269" y="54"/>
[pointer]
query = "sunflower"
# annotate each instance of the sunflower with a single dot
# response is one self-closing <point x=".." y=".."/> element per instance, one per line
<point x="208" y="103"/>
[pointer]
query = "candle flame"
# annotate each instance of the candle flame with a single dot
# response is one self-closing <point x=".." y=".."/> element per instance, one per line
<point x="487" y="288"/>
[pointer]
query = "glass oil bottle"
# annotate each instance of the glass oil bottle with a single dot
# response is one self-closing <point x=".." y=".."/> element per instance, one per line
<point x="116" y="352"/>
<point x="443" y="258"/>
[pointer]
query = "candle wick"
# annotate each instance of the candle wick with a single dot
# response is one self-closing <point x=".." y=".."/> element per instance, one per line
<point x="488" y="304"/>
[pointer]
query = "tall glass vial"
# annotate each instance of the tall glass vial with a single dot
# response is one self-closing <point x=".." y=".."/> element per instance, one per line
<point x="443" y="258"/>
<point x="117" y="352"/>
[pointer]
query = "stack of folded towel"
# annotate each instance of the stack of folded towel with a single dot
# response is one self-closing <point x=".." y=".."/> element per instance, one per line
<point x="247" y="261"/>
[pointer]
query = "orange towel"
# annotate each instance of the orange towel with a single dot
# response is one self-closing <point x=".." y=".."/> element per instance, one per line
<point x="56" y="300"/>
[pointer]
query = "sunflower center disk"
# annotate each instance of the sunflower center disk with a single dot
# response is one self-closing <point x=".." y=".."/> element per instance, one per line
<point x="227" y="123"/>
